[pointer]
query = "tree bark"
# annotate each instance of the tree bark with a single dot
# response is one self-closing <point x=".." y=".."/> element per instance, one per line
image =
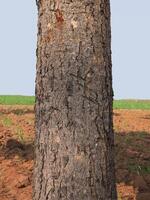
<point x="74" y="144"/>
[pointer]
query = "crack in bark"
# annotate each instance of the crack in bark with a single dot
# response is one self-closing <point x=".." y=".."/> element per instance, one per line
<point x="74" y="135"/>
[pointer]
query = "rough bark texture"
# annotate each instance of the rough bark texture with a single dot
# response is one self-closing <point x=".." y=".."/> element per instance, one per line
<point x="74" y="133"/>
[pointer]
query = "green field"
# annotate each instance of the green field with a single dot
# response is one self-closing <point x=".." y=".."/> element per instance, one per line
<point x="132" y="104"/>
<point x="16" y="100"/>
<point x="118" y="104"/>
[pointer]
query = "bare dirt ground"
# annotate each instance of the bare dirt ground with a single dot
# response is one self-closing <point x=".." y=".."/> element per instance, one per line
<point x="132" y="146"/>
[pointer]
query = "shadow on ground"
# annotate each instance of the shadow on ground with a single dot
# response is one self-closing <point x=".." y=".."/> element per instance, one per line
<point x="17" y="111"/>
<point x="132" y="152"/>
<point x="133" y="162"/>
<point x="14" y="147"/>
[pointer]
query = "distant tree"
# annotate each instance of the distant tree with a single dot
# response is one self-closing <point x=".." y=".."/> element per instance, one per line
<point x="74" y="133"/>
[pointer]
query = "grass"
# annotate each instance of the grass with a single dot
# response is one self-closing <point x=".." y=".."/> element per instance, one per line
<point x="16" y="100"/>
<point x="119" y="197"/>
<point x="118" y="104"/>
<point x="7" y="122"/>
<point x="139" y="169"/>
<point x="20" y="135"/>
<point x="132" y="104"/>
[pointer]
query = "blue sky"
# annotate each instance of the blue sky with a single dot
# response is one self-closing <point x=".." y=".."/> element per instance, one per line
<point x="130" y="47"/>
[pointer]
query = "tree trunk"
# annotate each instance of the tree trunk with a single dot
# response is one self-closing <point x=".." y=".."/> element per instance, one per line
<point x="74" y="133"/>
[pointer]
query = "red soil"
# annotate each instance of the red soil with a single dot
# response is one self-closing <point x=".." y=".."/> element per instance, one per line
<point x="132" y="142"/>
